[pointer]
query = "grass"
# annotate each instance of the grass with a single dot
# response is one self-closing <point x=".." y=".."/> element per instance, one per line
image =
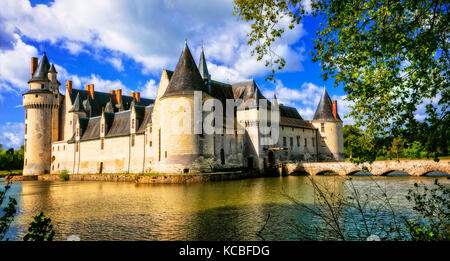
<point x="4" y="173"/>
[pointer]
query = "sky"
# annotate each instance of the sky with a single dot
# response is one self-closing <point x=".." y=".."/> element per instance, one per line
<point x="126" y="44"/>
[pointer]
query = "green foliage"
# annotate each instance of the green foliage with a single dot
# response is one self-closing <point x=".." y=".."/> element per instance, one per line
<point x="11" y="160"/>
<point x="41" y="229"/>
<point x="390" y="57"/>
<point x="8" y="212"/>
<point x="64" y="175"/>
<point x="414" y="150"/>
<point x="432" y="206"/>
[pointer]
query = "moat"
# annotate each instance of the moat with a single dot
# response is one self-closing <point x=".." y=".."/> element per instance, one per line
<point x="226" y="210"/>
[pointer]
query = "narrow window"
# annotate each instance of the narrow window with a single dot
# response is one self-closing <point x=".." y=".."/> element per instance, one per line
<point x="222" y="156"/>
<point x="58" y="148"/>
<point x="76" y="147"/>
<point x="132" y="124"/>
<point x="313" y="142"/>
<point x="25" y="128"/>
<point x="165" y="154"/>
<point x="322" y="127"/>
<point x="298" y="141"/>
<point x="42" y="86"/>
<point x="64" y="147"/>
<point x="150" y="143"/>
<point x="132" y="140"/>
<point x="103" y="127"/>
<point x="25" y="145"/>
<point x="102" y="145"/>
<point x="26" y="114"/>
<point x="284" y="142"/>
<point x="291" y="141"/>
<point x="306" y="142"/>
<point x="77" y="132"/>
<point x="25" y="162"/>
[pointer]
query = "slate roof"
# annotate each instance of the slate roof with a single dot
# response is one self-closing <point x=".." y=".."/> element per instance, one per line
<point x="120" y="125"/>
<point x="324" y="111"/>
<point x="41" y="73"/>
<point x="101" y="99"/>
<point x="92" y="130"/>
<point x="146" y="120"/>
<point x="186" y="78"/>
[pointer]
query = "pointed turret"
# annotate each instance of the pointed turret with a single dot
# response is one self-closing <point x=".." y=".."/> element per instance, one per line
<point x="52" y="68"/>
<point x="203" y="68"/>
<point x="186" y="78"/>
<point x="41" y="73"/>
<point x="324" y="111"/>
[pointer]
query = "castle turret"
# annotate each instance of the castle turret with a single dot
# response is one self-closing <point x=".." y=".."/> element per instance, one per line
<point x="327" y="121"/>
<point x="178" y="146"/>
<point x="41" y="103"/>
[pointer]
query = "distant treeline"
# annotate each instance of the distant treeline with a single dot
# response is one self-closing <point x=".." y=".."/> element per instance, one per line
<point x="11" y="159"/>
<point x="424" y="144"/>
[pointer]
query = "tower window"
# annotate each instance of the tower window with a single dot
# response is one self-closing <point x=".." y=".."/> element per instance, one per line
<point x="25" y="129"/>
<point x="284" y="142"/>
<point x="132" y="123"/>
<point x="132" y="140"/>
<point x="322" y="127"/>
<point x="150" y="143"/>
<point x="26" y="114"/>
<point x="102" y="144"/>
<point x="306" y="142"/>
<point x="165" y="154"/>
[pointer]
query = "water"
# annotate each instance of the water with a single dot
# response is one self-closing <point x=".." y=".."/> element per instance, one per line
<point x="229" y="210"/>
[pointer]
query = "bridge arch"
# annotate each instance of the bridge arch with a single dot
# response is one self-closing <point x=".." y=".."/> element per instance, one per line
<point x="359" y="173"/>
<point x="327" y="172"/>
<point x="300" y="173"/>
<point x="395" y="172"/>
<point x="435" y="173"/>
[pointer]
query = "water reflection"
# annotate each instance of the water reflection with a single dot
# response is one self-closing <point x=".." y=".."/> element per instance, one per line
<point x="229" y="210"/>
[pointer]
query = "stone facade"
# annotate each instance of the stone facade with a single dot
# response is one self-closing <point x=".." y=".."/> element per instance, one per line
<point x="86" y="132"/>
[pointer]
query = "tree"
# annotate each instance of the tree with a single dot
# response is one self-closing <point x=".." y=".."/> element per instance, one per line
<point x="398" y="145"/>
<point x="41" y="229"/>
<point x="390" y="56"/>
<point x="8" y="211"/>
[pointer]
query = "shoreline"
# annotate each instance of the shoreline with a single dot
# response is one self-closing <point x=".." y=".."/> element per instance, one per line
<point x="145" y="179"/>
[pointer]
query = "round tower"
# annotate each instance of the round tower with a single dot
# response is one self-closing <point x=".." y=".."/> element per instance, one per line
<point x="178" y="145"/>
<point x="40" y="102"/>
<point x="330" y="130"/>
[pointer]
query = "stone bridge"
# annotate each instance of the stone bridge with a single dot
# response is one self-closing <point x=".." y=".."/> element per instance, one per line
<point x="377" y="168"/>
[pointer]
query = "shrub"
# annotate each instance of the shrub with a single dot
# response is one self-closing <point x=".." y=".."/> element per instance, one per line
<point x="64" y="175"/>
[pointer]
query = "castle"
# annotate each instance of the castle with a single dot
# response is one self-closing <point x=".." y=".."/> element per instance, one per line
<point x="84" y="131"/>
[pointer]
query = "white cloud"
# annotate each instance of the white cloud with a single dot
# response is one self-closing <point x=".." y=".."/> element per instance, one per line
<point x="150" y="32"/>
<point x="149" y="90"/>
<point x="12" y="135"/>
<point x="116" y="63"/>
<point x="15" y="66"/>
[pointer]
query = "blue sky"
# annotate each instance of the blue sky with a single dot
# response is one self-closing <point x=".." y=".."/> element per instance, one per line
<point x="126" y="44"/>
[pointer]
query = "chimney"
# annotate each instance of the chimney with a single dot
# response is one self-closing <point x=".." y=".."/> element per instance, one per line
<point x="34" y="63"/>
<point x="335" y="109"/>
<point x="112" y="92"/>
<point x="87" y="87"/>
<point x="119" y="96"/>
<point x="69" y="87"/>
<point x="137" y="96"/>
<point x="91" y="91"/>
<point x="280" y="104"/>
<point x="132" y="94"/>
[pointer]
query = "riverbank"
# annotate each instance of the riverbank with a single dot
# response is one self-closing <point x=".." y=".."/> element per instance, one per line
<point x="150" y="178"/>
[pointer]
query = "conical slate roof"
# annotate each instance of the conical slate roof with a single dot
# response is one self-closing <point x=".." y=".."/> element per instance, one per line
<point x="324" y="111"/>
<point x="202" y="66"/>
<point x="186" y="78"/>
<point x="42" y="70"/>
